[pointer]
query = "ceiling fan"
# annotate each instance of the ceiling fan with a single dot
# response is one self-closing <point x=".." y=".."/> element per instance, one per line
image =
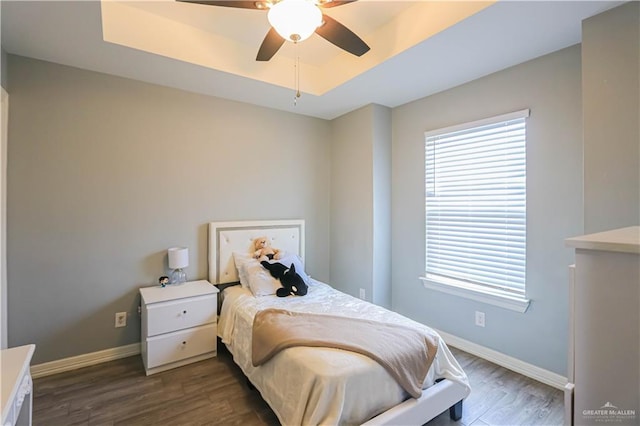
<point x="296" y="20"/>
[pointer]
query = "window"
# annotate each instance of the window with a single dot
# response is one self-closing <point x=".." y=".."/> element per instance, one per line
<point x="475" y="204"/>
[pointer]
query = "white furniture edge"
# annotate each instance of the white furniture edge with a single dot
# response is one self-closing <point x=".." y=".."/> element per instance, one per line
<point x="547" y="377"/>
<point x="434" y="401"/>
<point x="623" y="240"/>
<point x="85" y="360"/>
<point x="225" y="238"/>
<point x="20" y="389"/>
<point x="571" y="348"/>
<point x="569" y="389"/>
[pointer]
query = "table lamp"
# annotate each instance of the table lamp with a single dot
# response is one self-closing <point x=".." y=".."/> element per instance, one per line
<point x="178" y="259"/>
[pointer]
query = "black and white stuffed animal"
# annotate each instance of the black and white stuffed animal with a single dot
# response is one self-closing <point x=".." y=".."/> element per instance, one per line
<point x="292" y="282"/>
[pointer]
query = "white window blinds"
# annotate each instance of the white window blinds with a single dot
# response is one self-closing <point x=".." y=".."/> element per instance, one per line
<point x="476" y="203"/>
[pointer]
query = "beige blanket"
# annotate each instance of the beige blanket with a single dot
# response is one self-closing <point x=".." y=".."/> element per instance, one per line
<point x="404" y="352"/>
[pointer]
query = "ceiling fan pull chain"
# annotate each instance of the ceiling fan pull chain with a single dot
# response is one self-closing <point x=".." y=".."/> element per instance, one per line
<point x="298" y="77"/>
<point x="296" y="69"/>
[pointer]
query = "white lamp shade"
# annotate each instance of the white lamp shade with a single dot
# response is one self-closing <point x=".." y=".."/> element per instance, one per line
<point x="178" y="257"/>
<point x="295" y="20"/>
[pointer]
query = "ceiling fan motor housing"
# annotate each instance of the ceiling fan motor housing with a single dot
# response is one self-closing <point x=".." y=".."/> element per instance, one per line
<point x="295" y="20"/>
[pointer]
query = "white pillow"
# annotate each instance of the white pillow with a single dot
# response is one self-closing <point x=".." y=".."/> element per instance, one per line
<point x="254" y="276"/>
<point x="240" y="259"/>
<point x="291" y="258"/>
<point x="261" y="283"/>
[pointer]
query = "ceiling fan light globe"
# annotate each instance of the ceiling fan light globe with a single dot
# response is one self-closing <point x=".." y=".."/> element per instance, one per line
<point x="295" y="20"/>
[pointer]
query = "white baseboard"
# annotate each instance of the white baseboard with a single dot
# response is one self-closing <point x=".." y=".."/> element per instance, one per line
<point x="540" y="374"/>
<point x="85" y="360"/>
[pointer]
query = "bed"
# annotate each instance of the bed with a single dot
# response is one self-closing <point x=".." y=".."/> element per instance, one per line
<point x="320" y="385"/>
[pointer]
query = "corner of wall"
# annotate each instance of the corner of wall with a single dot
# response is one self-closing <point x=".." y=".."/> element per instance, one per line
<point x="361" y="233"/>
<point x="610" y="107"/>
<point x="3" y="67"/>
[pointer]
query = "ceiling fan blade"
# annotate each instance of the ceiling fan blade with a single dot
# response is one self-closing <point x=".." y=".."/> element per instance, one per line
<point x="270" y="45"/>
<point x="334" y="3"/>
<point x="336" y="33"/>
<point x="228" y="3"/>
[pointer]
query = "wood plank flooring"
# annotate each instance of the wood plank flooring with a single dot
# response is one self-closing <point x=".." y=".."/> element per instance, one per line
<point x="214" y="392"/>
<point x="502" y="397"/>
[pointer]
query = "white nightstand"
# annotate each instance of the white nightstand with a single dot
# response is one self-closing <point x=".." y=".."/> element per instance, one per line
<point x="179" y="325"/>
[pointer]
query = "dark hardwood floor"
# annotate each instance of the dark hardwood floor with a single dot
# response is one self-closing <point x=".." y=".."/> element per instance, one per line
<point x="502" y="397"/>
<point x="213" y="392"/>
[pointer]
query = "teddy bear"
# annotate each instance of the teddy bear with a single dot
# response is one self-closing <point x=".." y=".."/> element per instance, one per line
<point x="291" y="281"/>
<point x="262" y="250"/>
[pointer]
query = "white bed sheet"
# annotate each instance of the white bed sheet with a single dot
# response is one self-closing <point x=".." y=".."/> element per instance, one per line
<point x="314" y="386"/>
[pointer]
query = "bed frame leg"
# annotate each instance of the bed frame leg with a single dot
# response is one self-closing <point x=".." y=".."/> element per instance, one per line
<point x="455" y="411"/>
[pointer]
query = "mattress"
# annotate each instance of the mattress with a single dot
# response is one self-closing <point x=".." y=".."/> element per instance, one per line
<point x="305" y="385"/>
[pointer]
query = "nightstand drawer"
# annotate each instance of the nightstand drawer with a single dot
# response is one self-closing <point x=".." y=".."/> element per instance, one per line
<point x="180" y="314"/>
<point x="181" y="345"/>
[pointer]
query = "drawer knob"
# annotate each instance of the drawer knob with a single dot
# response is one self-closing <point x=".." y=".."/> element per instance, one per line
<point x="184" y="312"/>
<point x="184" y="343"/>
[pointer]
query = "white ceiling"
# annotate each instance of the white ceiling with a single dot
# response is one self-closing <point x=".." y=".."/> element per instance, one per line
<point x="501" y="35"/>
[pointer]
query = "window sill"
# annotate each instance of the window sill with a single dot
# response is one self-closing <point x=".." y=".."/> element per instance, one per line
<point x="480" y="294"/>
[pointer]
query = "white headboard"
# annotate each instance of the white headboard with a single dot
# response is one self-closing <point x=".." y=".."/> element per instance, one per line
<point x="228" y="237"/>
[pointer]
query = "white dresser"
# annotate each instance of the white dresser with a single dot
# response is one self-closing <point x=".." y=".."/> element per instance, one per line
<point x="604" y="349"/>
<point x="17" y="387"/>
<point x="179" y="325"/>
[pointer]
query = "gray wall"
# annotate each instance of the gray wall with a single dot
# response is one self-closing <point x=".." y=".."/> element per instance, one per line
<point x="611" y="93"/>
<point x="3" y="68"/>
<point x="360" y="203"/>
<point x="3" y="179"/>
<point x="550" y="87"/>
<point x="106" y="173"/>
<point x="3" y="183"/>
<point x="381" y="280"/>
<point x="3" y="60"/>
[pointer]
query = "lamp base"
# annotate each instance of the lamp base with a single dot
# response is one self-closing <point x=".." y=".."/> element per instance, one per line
<point x="178" y="276"/>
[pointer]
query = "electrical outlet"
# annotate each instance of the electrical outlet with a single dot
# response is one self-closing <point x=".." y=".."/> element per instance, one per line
<point x="121" y="319"/>
<point x="480" y="319"/>
<point x="362" y="293"/>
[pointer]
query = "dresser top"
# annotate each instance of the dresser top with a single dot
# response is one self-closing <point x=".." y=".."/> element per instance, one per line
<point x="14" y="365"/>
<point x="157" y="294"/>
<point x="624" y="240"/>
